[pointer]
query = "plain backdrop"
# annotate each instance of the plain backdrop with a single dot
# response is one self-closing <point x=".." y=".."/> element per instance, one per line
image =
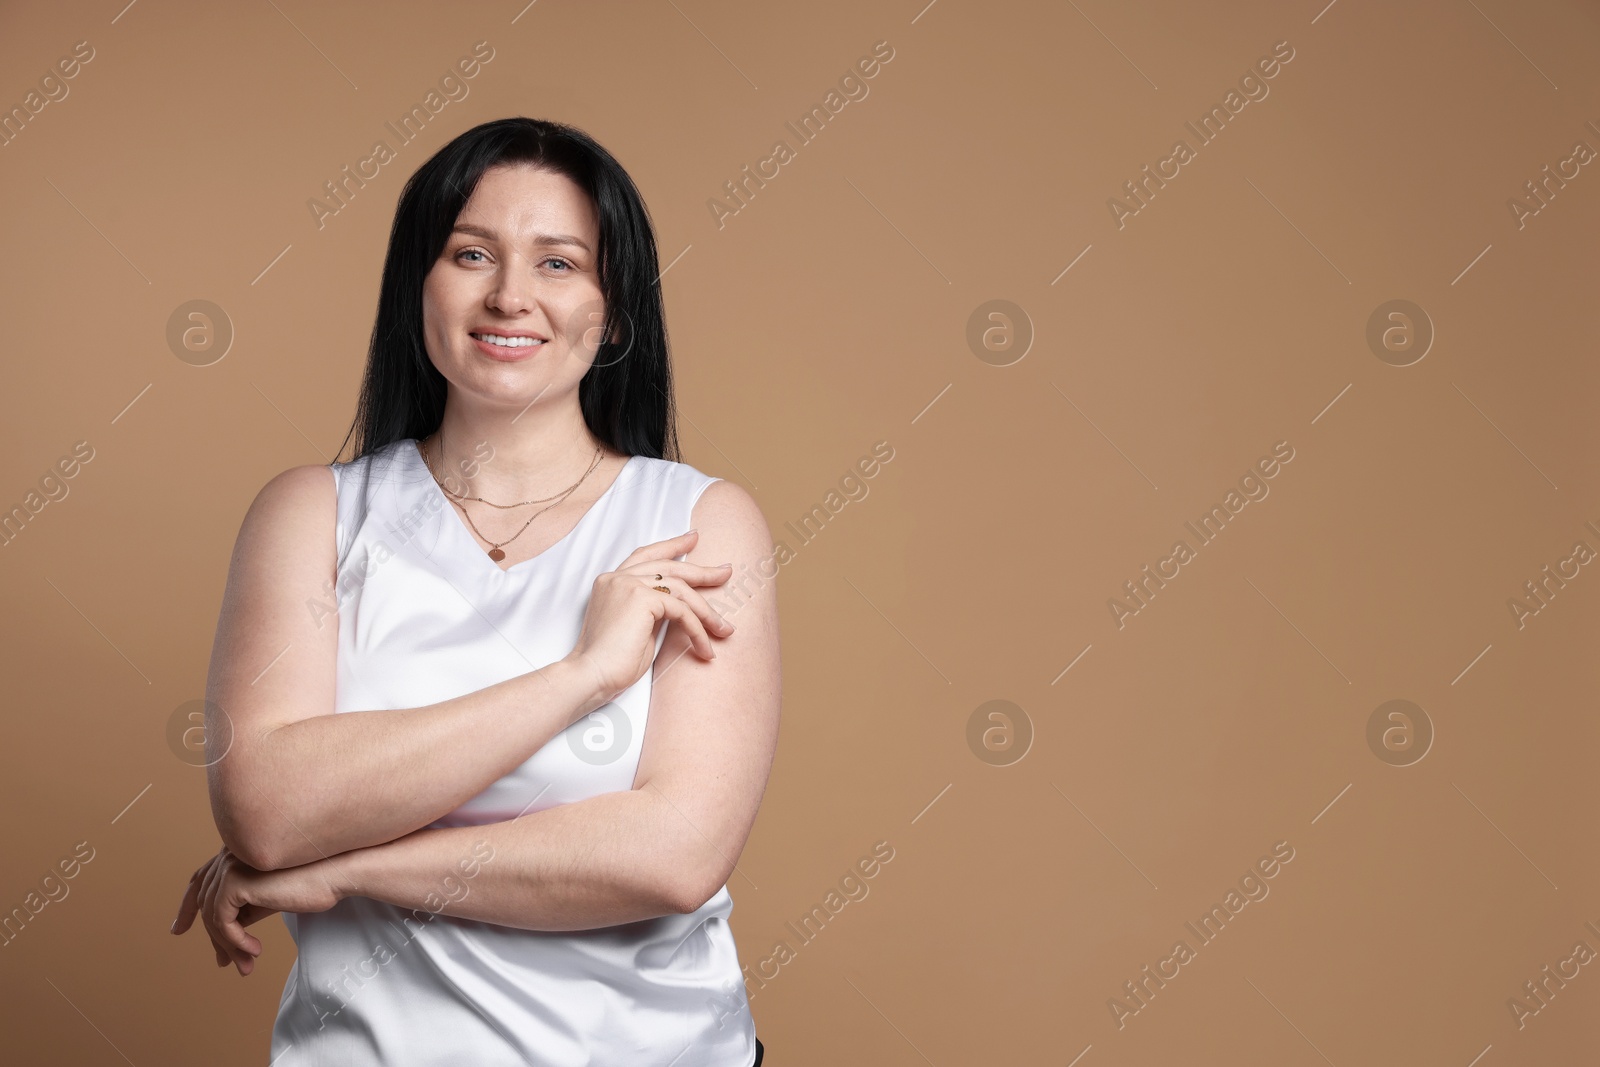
<point x="1070" y="377"/>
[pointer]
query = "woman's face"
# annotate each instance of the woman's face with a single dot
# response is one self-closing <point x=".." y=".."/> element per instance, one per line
<point x="521" y="261"/>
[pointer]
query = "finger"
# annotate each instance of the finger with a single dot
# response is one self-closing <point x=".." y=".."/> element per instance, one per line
<point x="207" y="887"/>
<point x="698" y="638"/>
<point x="709" y="618"/>
<point x="205" y="920"/>
<point x="232" y="953"/>
<point x="672" y="546"/>
<point x="223" y="959"/>
<point x="245" y="965"/>
<point x="244" y="914"/>
<point x="210" y="914"/>
<point x="688" y="573"/>
<point x="203" y="894"/>
<point x="189" y="906"/>
<point x="227" y="915"/>
<point x="225" y="952"/>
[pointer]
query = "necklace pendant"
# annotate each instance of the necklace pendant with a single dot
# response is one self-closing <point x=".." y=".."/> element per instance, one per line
<point x="496" y="555"/>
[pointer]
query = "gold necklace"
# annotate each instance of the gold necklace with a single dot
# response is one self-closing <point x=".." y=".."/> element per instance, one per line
<point x="452" y="493"/>
<point x="494" y="550"/>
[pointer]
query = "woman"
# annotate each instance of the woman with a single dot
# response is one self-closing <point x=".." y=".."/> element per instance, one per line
<point x="519" y="852"/>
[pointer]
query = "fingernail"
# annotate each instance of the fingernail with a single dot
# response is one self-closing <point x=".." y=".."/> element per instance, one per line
<point x="688" y="532"/>
<point x="724" y="565"/>
<point x="173" y="928"/>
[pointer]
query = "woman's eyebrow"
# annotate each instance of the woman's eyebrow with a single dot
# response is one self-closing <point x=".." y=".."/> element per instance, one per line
<point x="539" y="239"/>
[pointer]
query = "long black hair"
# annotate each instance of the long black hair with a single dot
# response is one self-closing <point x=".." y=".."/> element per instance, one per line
<point x="625" y="395"/>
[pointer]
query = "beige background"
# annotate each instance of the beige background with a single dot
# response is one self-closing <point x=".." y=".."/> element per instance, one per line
<point x="832" y="312"/>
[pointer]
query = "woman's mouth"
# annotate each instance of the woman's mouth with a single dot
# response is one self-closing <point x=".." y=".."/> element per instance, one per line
<point x="504" y="347"/>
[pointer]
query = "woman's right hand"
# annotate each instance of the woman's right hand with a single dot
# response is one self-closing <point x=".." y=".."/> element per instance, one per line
<point x="617" y="643"/>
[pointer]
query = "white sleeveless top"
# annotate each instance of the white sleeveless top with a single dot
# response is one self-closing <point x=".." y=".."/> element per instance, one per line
<point x="426" y="615"/>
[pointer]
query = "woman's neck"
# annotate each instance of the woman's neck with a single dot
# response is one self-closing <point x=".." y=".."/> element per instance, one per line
<point x="514" y="459"/>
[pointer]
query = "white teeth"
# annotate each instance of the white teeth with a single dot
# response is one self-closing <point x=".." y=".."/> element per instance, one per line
<point x="507" y="342"/>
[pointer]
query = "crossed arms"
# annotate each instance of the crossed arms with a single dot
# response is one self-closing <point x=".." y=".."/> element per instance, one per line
<point x="355" y="793"/>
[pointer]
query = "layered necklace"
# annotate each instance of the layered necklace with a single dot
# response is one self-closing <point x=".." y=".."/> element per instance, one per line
<point x="495" y="552"/>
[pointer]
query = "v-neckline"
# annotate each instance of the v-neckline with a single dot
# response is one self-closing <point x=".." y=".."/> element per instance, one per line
<point x="472" y="541"/>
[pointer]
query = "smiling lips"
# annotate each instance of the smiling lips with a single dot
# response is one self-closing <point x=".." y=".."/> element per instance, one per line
<point x="509" y="340"/>
<point x="507" y="346"/>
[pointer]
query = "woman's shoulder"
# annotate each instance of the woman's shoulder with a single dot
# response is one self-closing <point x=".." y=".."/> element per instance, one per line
<point x="382" y="456"/>
<point x="294" y="511"/>
<point x="678" y="487"/>
<point x="671" y="469"/>
<point x="676" y="479"/>
<point x="296" y="489"/>
<point x="708" y="499"/>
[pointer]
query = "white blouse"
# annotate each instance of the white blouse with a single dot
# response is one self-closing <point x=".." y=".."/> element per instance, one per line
<point x="424" y="615"/>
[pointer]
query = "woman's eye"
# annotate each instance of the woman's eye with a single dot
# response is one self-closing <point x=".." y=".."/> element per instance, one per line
<point x="567" y="267"/>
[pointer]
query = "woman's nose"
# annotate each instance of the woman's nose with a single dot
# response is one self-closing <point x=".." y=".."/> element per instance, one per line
<point x="514" y="291"/>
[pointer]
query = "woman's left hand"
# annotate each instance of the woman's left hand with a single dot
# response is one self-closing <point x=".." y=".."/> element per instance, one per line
<point x="229" y="894"/>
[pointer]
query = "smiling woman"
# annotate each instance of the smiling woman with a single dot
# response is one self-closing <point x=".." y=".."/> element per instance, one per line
<point x="498" y="677"/>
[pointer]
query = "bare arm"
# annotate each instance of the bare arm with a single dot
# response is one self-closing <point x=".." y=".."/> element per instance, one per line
<point x="671" y="842"/>
<point x="595" y="862"/>
<point x="298" y="782"/>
